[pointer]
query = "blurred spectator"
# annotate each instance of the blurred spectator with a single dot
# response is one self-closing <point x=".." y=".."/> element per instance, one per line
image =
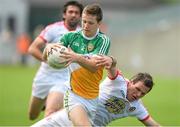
<point x="7" y="47"/>
<point x="23" y="42"/>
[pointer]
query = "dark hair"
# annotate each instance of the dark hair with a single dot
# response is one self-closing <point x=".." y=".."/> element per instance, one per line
<point x="95" y="10"/>
<point x="145" y="78"/>
<point x="73" y="3"/>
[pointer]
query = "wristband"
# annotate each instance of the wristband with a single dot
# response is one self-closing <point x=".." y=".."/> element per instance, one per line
<point x="113" y="61"/>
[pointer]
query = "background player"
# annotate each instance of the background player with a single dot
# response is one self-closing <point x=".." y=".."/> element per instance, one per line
<point x="47" y="79"/>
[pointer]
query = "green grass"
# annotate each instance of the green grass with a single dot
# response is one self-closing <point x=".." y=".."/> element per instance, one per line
<point x="15" y="91"/>
<point x="163" y="101"/>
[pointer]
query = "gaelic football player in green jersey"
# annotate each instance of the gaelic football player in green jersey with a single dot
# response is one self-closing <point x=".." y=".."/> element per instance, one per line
<point x="81" y="99"/>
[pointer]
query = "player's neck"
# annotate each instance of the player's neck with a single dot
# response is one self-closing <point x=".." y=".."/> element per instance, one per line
<point x="70" y="28"/>
<point x="92" y="37"/>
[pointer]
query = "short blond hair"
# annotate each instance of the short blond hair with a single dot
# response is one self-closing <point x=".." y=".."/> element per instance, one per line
<point x="95" y="10"/>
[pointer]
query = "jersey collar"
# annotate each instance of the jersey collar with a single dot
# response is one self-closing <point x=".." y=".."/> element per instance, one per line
<point x="90" y="38"/>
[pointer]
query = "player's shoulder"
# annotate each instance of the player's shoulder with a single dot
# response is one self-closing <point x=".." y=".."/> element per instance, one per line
<point x="138" y="104"/>
<point x="55" y="25"/>
<point x="103" y="36"/>
<point x="59" y="23"/>
<point x="73" y="33"/>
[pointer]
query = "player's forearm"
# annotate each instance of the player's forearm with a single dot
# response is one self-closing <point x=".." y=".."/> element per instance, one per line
<point x="36" y="53"/>
<point x="151" y="122"/>
<point x="87" y="63"/>
<point x="112" y="71"/>
<point x="154" y="124"/>
<point x="35" y="48"/>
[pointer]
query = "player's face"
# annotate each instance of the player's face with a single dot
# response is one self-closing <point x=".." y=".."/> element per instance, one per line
<point x="72" y="16"/>
<point x="136" y="90"/>
<point x="89" y="24"/>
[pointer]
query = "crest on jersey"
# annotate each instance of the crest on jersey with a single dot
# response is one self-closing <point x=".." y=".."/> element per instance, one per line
<point x="131" y="109"/>
<point x="90" y="47"/>
<point x="115" y="105"/>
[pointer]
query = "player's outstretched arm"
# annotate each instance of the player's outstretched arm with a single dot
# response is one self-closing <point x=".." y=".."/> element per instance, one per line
<point x="109" y="63"/>
<point x="112" y="70"/>
<point x="150" y="122"/>
<point x="35" y="48"/>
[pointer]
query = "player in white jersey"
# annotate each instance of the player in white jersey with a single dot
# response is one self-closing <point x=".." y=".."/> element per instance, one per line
<point x="119" y="98"/>
<point x="48" y="84"/>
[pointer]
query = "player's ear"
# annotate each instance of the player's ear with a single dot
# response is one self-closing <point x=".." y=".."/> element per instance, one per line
<point x="100" y="22"/>
<point x="64" y="15"/>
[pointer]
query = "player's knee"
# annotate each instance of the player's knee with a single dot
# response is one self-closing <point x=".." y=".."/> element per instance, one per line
<point x="32" y="116"/>
<point x="82" y="123"/>
<point x="50" y="111"/>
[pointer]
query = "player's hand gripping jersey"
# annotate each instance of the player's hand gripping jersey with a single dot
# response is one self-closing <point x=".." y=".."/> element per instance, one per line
<point x="113" y="103"/>
<point x="83" y="82"/>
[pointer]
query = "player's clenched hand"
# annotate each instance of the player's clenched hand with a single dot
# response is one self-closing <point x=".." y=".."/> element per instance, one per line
<point x="48" y="49"/>
<point x="105" y="61"/>
<point x="70" y="56"/>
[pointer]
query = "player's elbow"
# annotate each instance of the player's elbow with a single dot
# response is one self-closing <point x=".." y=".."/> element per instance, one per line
<point x="32" y="116"/>
<point x="30" y="50"/>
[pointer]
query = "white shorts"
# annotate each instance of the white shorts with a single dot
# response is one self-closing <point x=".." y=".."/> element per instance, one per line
<point x="46" y="82"/>
<point x="42" y="90"/>
<point x="62" y="88"/>
<point x="57" y="119"/>
<point x="71" y="100"/>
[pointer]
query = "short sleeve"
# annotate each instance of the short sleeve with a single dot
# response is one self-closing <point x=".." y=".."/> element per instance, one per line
<point x="47" y="34"/>
<point x="141" y="112"/>
<point x="103" y="46"/>
<point x="65" y="39"/>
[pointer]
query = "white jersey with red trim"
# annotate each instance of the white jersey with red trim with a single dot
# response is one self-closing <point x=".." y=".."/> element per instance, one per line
<point x="113" y="103"/>
<point x="46" y="75"/>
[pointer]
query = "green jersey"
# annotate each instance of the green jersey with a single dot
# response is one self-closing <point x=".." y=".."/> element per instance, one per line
<point x="80" y="44"/>
<point x="83" y="82"/>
